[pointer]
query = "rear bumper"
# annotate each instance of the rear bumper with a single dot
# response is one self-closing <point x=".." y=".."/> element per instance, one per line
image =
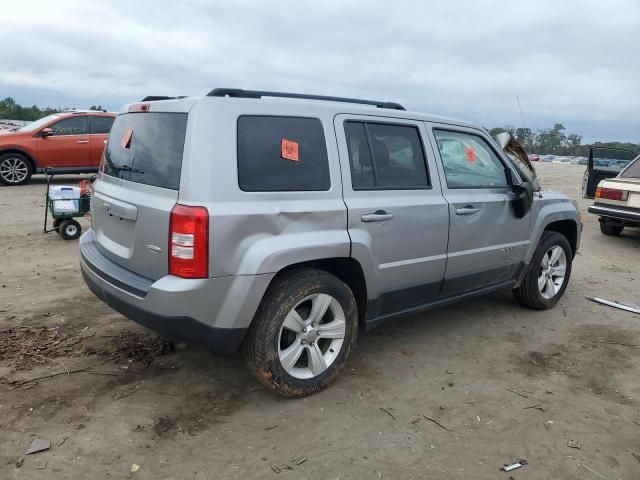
<point x="616" y="213"/>
<point x="215" y="311"/>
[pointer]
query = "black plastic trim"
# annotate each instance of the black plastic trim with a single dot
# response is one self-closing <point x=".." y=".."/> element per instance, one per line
<point x="223" y="341"/>
<point x="240" y="93"/>
<point x="113" y="273"/>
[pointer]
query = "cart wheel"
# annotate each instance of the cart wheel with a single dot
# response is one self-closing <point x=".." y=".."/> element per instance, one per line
<point x="69" y="229"/>
<point x="56" y="224"/>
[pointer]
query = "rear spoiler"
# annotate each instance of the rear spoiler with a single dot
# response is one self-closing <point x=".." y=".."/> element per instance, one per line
<point x="156" y="98"/>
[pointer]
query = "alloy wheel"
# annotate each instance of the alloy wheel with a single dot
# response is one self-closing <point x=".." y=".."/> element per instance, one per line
<point x="552" y="272"/>
<point x="14" y="170"/>
<point x="311" y="336"/>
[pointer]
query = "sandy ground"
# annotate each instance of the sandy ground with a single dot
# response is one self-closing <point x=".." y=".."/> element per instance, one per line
<point x="130" y="399"/>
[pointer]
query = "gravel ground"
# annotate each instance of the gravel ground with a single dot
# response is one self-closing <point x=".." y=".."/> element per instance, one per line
<point x="497" y="382"/>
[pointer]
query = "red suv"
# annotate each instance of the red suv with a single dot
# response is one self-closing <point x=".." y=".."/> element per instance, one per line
<point x="70" y="142"/>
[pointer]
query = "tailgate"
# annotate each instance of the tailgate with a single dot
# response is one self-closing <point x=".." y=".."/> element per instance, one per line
<point x="136" y="190"/>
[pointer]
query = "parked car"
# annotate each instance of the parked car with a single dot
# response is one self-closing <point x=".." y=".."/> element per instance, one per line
<point x="617" y="200"/>
<point x="70" y="142"/>
<point x="283" y="226"/>
<point x="534" y="158"/>
<point x="602" y="163"/>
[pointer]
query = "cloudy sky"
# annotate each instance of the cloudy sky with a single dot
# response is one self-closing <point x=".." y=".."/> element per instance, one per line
<point x="576" y="63"/>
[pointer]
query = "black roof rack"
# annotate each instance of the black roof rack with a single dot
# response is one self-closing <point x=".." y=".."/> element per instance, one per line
<point x="155" y="98"/>
<point x="239" y="93"/>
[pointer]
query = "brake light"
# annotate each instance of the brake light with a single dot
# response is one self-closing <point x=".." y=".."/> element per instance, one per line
<point x="612" y="194"/>
<point x="189" y="242"/>
<point x="139" y="107"/>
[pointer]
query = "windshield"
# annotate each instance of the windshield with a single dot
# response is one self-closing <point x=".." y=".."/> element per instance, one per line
<point x="633" y="170"/>
<point x="30" y="127"/>
<point x="612" y="158"/>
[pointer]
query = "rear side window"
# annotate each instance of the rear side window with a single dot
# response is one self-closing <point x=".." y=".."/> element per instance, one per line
<point x="282" y="154"/>
<point x="146" y="148"/>
<point x="76" y="125"/>
<point x="633" y="170"/>
<point x="385" y="156"/>
<point x="101" y="124"/>
<point x="468" y="161"/>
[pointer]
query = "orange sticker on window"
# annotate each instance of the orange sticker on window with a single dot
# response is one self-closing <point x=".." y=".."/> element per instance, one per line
<point x="289" y="150"/>
<point x="470" y="153"/>
<point x="125" y="142"/>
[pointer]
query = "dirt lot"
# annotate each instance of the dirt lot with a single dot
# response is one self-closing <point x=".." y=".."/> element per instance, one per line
<point x="503" y="382"/>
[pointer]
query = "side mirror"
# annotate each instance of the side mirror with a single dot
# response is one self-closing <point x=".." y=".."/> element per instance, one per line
<point x="46" y="132"/>
<point x="522" y="199"/>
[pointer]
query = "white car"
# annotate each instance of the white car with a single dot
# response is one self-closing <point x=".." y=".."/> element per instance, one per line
<point x="617" y="200"/>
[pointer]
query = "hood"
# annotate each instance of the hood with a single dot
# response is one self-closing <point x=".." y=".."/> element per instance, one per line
<point x="520" y="158"/>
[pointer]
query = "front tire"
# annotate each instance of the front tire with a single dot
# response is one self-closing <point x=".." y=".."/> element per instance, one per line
<point x="548" y="274"/>
<point x="302" y="333"/>
<point x="15" y="169"/>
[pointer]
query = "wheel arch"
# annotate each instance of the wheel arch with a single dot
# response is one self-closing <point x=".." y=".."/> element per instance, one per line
<point x="19" y="151"/>
<point x="568" y="228"/>
<point x="346" y="269"/>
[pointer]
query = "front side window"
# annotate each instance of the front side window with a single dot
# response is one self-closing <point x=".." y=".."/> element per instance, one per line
<point x="76" y="125"/>
<point x="282" y="154"/>
<point x="385" y="156"/>
<point x="469" y="161"/>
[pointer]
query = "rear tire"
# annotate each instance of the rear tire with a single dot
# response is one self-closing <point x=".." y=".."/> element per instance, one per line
<point x="549" y="273"/>
<point x="609" y="228"/>
<point x="302" y="334"/>
<point x="69" y="229"/>
<point x="15" y="169"/>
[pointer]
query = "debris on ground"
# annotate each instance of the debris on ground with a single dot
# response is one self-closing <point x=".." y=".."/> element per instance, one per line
<point x="387" y="412"/>
<point x="278" y="467"/>
<point x="513" y="466"/>
<point x="517" y="393"/>
<point x="135" y="467"/>
<point x="270" y="427"/>
<point x="636" y="456"/>
<point x="436" y="422"/>
<point x="299" y="459"/>
<point x="62" y="440"/>
<point x="38" y="444"/>
<point x="534" y="407"/>
<point x="620" y="305"/>
<point x="574" y="444"/>
<point x="19" y="462"/>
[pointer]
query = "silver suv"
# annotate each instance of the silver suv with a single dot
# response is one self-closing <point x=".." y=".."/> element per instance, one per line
<point x="284" y="225"/>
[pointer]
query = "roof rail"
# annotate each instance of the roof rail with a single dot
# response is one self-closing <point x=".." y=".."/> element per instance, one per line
<point x="155" y="98"/>
<point x="240" y="93"/>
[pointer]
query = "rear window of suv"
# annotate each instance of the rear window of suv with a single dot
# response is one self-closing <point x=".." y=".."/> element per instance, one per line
<point x="282" y="154"/>
<point x="146" y="148"/>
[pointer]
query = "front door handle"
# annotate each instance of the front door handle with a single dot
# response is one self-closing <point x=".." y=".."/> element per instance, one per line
<point x="377" y="216"/>
<point x="82" y="141"/>
<point x="467" y="210"/>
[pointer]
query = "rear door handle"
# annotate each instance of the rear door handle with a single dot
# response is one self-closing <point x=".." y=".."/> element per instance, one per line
<point x="467" y="210"/>
<point x="82" y="141"/>
<point x="377" y="216"/>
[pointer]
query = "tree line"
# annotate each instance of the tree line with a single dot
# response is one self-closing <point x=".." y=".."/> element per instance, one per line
<point x="10" y="110"/>
<point x="544" y="141"/>
<point x="555" y="141"/>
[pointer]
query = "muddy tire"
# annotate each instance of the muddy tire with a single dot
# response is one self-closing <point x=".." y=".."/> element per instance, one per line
<point x="548" y="274"/>
<point x="303" y="332"/>
<point x="69" y="229"/>
<point x="612" y="229"/>
<point x="15" y="169"/>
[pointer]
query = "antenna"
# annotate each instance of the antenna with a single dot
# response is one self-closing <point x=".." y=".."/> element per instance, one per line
<point x="520" y="108"/>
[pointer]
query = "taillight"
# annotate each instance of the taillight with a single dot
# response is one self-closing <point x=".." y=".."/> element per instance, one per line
<point x="189" y="242"/>
<point x="611" y="194"/>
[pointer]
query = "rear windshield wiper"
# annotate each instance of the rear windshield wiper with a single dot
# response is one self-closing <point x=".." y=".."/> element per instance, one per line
<point x="125" y="168"/>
